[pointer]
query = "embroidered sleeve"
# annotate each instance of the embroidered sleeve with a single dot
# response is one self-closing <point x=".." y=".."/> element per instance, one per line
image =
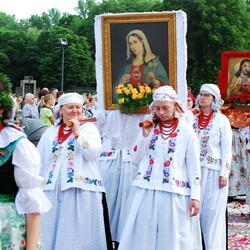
<point x="193" y="165"/>
<point x="139" y="149"/>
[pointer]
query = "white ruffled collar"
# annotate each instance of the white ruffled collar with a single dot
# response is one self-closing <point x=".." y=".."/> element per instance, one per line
<point x="8" y="135"/>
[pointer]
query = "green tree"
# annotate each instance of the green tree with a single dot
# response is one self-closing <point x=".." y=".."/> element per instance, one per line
<point x="16" y="49"/>
<point x="78" y="65"/>
<point x="88" y="9"/>
<point x="8" y="22"/>
<point x="30" y="47"/>
<point x="212" y="29"/>
<point x="46" y="21"/>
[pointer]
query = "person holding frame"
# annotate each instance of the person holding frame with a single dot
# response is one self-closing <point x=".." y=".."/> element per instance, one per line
<point x="166" y="192"/>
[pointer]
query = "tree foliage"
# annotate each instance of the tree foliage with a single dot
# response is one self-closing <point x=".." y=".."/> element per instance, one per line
<point x="30" y="46"/>
<point x="212" y="29"/>
<point x="78" y="65"/>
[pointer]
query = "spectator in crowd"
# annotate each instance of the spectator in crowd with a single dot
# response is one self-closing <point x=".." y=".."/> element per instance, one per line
<point x="89" y="107"/>
<point x="190" y="100"/>
<point x="41" y="93"/>
<point x="46" y="114"/>
<point x="55" y="108"/>
<point x="29" y="110"/>
<point x="54" y="92"/>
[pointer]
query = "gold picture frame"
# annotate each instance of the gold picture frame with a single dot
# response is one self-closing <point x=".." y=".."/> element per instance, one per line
<point x="114" y="29"/>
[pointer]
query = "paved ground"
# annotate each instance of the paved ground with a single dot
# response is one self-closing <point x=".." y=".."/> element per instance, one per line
<point x="238" y="224"/>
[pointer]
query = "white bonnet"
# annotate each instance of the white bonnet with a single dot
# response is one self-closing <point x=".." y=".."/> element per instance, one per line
<point x="167" y="93"/>
<point x="70" y="98"/>
<point x="212" y="89"/>
<point x="215" y="91"/>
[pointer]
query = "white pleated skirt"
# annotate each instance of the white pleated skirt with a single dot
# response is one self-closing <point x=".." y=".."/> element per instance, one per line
<point x="75" y="222"/>
<point x="117" y="177"/>
<point x="213" y="210"/>
<point x="158" y="220"/>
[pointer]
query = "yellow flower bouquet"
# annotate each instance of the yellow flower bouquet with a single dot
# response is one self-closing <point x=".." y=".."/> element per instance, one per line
<point x="130" y="98"/>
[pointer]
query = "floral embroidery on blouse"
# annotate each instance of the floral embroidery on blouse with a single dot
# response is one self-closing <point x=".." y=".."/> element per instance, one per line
<point x="6" y="152"/>
<point x="56" y="152"/>
<point x="204" y="141"/>
<point x="167" y="162"/>
<point x="108" y="153"/>
<point x="85" y="145"/>
<point x="70" y="168"/>
<point x="70" y="164"/>
<point x="87" y="180"/>
<point x="148" y="172"/>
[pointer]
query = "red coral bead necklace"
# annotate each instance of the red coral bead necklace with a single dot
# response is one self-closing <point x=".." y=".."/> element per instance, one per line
<point x="204" y="120"/>
<point x="168" y="128"/>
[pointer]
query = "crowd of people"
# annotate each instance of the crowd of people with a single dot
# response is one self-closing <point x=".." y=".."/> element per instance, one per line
<point x="45" y="106"/>
<point x="54" y="196"/>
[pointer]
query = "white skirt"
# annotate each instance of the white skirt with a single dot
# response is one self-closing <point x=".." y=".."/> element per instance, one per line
<point x="75" y="221"/>
<point x="117" y="177"/>
<point x="157" y="220"/>
<point x="238" y="170"/>
<point x="213" y="210"/>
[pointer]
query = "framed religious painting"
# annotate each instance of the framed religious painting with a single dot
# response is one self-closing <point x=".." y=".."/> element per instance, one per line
<point x="234" y="77"/>
<point x="137" y="49"/>
<point x="234" y="84"/>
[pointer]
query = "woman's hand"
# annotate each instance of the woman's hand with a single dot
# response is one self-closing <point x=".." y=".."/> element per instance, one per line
<point x="194" y="207"/>
<point x="75" y="126"/>
<point x="222" y="182"/>
<point x="152" y="78"/>
<point x="125" y="78"/>
<point x="147" y="126"/>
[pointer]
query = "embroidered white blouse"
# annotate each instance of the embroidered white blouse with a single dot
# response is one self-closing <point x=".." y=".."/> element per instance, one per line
<point x="170" y="165"/>
<point x="74" y="162"/>
<point x="216" y="144"/>
<point x="26" y="160"/>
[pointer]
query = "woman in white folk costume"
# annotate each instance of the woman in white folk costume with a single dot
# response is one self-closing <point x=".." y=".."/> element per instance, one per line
<point x="21" y="197"/>
<point x="215" y="136"/>
<point x="162" y="208"/>
<point x="78" y="219"/>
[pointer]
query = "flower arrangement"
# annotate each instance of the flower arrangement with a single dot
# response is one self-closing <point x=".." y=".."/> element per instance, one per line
<point x="239" y="99"/>
<point x="130" y="97"/>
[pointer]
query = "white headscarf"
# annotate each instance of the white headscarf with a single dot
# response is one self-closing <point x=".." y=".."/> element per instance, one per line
<point x="148" y="53"/>
<point x="70" y="98"/>
<point x="215" y="91"/>
<point x="167" y="93"/>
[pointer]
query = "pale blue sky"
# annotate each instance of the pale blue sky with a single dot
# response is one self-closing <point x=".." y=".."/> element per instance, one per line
<point x="26" y="8"/>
